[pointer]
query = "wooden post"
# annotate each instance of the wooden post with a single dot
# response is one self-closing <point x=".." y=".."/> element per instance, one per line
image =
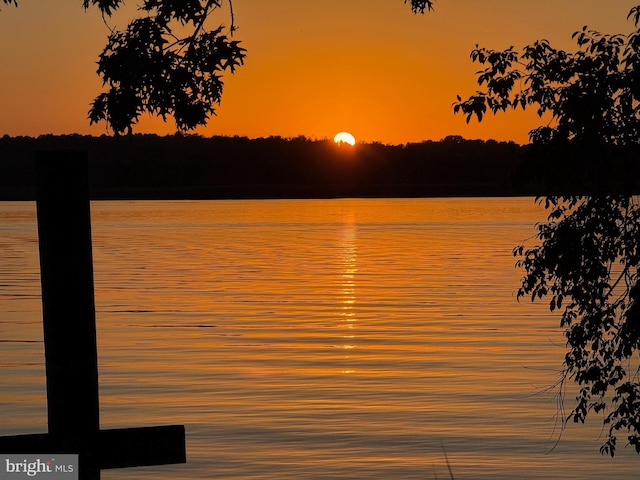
<point x="66" y="270"/>
<point x="66" y="264"/>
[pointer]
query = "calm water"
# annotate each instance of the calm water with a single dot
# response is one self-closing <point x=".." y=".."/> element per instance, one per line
<point x="331" y="339"/>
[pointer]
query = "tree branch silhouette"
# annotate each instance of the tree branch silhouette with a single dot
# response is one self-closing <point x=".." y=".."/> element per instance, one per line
<point x="585" y="160"/>
<point x="148" y="69"/>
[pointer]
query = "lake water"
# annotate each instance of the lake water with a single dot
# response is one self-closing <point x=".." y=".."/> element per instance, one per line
<point x="312" y="339"/>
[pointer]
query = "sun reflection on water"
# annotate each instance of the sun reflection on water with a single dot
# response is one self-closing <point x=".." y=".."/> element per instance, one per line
<point x="384" y="331"/>
<point x="348" y="263"/>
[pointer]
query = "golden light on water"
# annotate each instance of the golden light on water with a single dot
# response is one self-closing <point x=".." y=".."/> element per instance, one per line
<point x="347" y="260"/>
<point x="386" y="330"/>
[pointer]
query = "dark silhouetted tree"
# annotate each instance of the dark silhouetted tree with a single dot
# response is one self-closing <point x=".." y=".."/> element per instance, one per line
<point x="587" y="255"/>
<point x="154" y="66"/>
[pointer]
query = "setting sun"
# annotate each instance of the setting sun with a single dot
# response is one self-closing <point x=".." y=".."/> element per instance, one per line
<point x="344" y="137"/>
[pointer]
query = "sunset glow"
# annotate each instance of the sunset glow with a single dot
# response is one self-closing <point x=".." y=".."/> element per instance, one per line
<point x="344" y="137"/>
<point x="306" y="68"/>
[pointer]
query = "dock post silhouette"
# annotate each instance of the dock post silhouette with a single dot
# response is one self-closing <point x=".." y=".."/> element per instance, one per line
<point x="66" y="264"/>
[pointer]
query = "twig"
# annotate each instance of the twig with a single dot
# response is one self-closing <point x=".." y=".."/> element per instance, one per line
<point x="446" y="459"/>
<point x="233" y="27"/>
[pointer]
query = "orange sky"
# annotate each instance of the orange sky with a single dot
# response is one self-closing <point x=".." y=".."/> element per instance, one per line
<point x="369" y="67"/>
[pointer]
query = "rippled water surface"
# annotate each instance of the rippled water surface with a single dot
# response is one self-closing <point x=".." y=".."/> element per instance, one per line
<point x="315" y="339"/>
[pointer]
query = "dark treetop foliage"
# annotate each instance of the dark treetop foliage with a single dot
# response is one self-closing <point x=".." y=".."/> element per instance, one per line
<point x="150" y="67"/>
<point x="147" y="67"/>
<point x="588" y="255"/>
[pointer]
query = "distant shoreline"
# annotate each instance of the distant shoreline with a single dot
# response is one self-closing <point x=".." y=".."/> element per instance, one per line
<point x="150" y="167"/>
<point x="266" y="192"/>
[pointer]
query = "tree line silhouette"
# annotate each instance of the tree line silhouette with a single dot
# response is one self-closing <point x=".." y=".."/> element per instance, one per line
<point x="195" y="167"/>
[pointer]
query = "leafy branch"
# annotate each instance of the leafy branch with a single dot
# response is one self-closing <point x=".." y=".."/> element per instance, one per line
<point x="419" y="6"/>
<point x="148" y="68"/>
<point x="145" y="71"/>
<point x="587" y="260"/>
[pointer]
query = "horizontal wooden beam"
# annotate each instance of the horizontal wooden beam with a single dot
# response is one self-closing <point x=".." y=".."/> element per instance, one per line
<point x="117" y="448"/>
<point x="137" y="447"/>
<point x="29" y="444"/>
